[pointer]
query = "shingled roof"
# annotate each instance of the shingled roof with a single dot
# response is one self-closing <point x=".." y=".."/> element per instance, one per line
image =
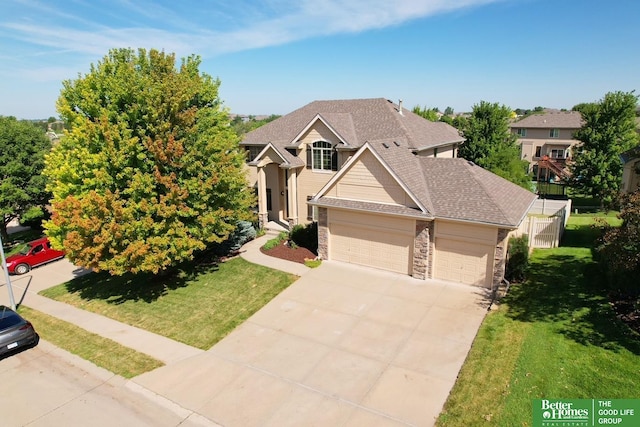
<point x="356" y="121"/>
<point x="451" y="188"/>
<point x="555" y="120"/>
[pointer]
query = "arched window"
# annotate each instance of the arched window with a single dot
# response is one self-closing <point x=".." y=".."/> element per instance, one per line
<point x="323" y="157"/>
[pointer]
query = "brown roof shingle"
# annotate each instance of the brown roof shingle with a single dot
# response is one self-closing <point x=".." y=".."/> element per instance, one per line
<point x="357" y="121"/>
<point x="556" y="120"/>
<point x="457" y="189"/>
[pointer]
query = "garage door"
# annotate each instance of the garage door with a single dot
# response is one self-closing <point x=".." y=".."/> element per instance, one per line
<point x="464" y="262"/>
<point x="379" y="247"/>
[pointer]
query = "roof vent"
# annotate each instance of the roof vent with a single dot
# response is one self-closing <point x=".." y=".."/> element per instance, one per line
<point x="396" y="142"/>
<point x="400" y="107"/>
<point x="385" y="145"/>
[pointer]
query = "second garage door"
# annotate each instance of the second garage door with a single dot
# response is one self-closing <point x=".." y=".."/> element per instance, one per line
<point x="464" y="262"/>
<point x="366" y="241"/>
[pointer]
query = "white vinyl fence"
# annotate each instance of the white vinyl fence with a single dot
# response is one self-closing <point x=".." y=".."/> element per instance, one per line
<point x="545" y="232"/>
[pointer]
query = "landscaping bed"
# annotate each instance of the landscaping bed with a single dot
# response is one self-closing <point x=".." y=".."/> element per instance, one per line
<point x="286" y="252"/>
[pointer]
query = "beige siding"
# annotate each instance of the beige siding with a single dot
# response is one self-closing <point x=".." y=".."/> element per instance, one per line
<point x="309" y="183"/>
<point x="447" y="151"/>
<point x="252" y="175"/>
<point x="368" y="180"/>
<point x="468" y="232"/>
<point x="319" y="132"/>
<point x="630" y="178"/>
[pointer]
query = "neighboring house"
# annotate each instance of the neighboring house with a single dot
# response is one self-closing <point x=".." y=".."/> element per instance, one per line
<point x="386" y="189"/>
<point x="546" y="141"/>
<point x="630" y="170"/>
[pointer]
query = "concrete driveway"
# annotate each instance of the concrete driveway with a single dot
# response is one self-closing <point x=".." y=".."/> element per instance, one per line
<point x="342" y="346"/>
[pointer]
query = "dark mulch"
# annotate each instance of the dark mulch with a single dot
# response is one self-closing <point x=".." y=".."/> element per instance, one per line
<point x="627" y="308"/>
<point x="283" y="251"/>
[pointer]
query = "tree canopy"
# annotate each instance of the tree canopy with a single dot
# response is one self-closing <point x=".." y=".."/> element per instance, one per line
<point x="431" y="114"/>
<point x="609" y="130"/>
<point x="619" y="247"/>
<point x="149" y="170"/>
<point x="490" y="143"/>
<point x="23" y="146"/>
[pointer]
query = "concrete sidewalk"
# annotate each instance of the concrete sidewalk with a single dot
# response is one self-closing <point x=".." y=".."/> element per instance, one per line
<point x="344" y="345"/>
<point x="26" y="288"/>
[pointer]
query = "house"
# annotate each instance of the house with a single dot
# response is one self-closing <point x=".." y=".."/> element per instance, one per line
<point x="386" y="189"/>
<point x="546" y="141"/>
<point x="630" y="170"/>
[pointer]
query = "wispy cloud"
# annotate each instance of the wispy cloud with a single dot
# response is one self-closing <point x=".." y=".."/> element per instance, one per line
<point x="212" y="29"/>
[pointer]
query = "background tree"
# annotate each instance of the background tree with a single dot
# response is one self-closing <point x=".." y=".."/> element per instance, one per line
<point x="490" y="143"/>
<point x="430" y="114"/>
<point x="23" y="146"/>
<point x="619" y="247"/>
<point x="448" y="111"/>
<point x="609" y="129"/>
<point x="241" y="125"/>
<point x="149" y="170"/>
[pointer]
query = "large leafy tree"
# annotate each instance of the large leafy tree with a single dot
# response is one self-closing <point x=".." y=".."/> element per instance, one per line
<point x="23" y="146"/>
<point x="619" y="247"/>
<point x="608" y="130"/>
<point x="150" y="170"/>
<point x="490" y="143"/>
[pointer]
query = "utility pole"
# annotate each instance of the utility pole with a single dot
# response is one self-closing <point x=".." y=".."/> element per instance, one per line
<point x="12" y="301"/>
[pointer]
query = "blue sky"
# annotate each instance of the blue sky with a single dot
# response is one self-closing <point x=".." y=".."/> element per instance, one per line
<point x="274" y="56"/>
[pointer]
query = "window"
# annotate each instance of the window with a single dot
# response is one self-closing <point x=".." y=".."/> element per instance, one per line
<point x="312" y="211"/>
<point x="557" y="154"/>
<point x="521" y="132"/>
<point x="554" y="133"/>
<point x="253" y="151"/>
<point x="538" y="150"/>
<point x="322" y="156"/>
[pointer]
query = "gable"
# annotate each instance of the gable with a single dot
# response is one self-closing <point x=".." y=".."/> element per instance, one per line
<point x="368" y="180"/>
<point x="269" y="155"/>
<point x="318" y="131"/>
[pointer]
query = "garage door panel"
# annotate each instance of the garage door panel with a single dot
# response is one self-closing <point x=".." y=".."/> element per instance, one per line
<point x="371" y="247"/>
<point x="464" y="262"/>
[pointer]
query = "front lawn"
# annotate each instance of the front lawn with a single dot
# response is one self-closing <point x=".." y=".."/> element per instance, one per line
<point x="100" y="351"/>
<point x="197" y="308"/>
<point x="554" y="336"/>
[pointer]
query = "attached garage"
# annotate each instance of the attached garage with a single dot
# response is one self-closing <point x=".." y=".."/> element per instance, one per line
<point x="464" y="253"/>
<point x="372" y="240"/>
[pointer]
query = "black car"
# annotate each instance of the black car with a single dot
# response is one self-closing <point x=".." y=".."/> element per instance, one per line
<point x="15" y="332"/>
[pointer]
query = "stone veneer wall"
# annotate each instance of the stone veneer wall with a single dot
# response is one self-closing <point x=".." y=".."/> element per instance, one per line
<point x="323" y="234"/>
<point x="263" y="219"/>
<point x="500" y="258"/>
<point x="422" y="249"/>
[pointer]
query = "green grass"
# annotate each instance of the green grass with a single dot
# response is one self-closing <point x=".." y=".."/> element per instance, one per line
<point x="198" y="307"/>
<point x="313" y="263"/>
<point x="102" y="352"/>
<point x="555" y="336"/>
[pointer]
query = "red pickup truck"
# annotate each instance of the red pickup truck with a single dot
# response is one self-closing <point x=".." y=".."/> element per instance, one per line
<point x="32" y="255"/>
